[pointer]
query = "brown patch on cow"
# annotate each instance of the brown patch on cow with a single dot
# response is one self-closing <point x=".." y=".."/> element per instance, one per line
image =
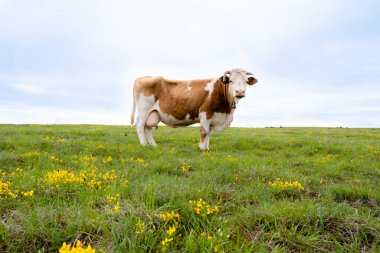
<point x="180" y="98"/>
<point x="148" y="86"/>
<point x="219" y="101"/>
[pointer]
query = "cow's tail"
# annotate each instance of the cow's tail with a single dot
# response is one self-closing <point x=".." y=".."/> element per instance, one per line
<point x="133" y="111"/>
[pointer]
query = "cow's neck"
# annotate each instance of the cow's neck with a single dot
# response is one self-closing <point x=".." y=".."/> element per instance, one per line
<point x="228" y="99"/>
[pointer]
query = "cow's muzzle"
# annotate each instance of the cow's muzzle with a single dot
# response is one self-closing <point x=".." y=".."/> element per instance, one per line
<point x="240" y="93"/>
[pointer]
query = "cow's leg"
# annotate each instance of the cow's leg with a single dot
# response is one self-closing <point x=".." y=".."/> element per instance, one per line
<point x="205" y="131"/>
<point x="140" y="128"/>
<point x="205" y="137"/>
<point x="152" y="121"/>
<point x="144" y="107"/>
<point x="149" y="137"/>
<point x="207" y="140"/>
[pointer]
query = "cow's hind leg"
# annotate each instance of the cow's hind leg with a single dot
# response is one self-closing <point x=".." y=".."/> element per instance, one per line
<point x="140" y="128"/>
<point x="149" y="137"/>
<point x="152" y="121"/>
<point x="144" y="107"/>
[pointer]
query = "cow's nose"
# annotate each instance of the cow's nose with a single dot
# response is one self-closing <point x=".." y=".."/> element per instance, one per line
<point x="240" y="93"/>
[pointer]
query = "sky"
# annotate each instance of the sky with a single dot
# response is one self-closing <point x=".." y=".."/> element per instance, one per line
<point x="74" y="62"/>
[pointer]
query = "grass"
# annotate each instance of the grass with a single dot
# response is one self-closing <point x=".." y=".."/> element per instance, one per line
<point x="257" y="190"/>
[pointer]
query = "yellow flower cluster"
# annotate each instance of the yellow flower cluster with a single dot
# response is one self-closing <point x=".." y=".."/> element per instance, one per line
<point x="140" y="227"/>
<point x="63" y="176"/>
<point x="170" y="219"/>
<point x="31" y="154"/>
<point x="203" y="234"/>
<point x="5" y="190"/>
<point x="101" y="146"/>
<point x="165" y="243"/>
<point x="55" y="159"/>
<point x="185" y="167"/>
<point x="52" y="138"/>
<point x="230" y="158"/>
<point x="86" y="158"/>
<point x="202" y="208"/>
<point x="49" y="138"/>
<point x="17" y="173"/>
<point x="278" y="184"/>
<point x="327" y="158"/>
<point x="170" y="216"/>
<point x="28" y="193"/>
<point x="107" y="160"/>
<point x="90" y="179"/>
<point x="139" y="160"/>
<point x="114" y="203"/>
<point x="78" y="248"/>
<point x="5" y="185"/>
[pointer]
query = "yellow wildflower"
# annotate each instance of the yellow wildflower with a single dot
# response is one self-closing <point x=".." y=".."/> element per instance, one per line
<point x="202" y="208"/>
<point x="30" y="154"/>
<point x="5" y="190"/>
<point x="107" y="160"/>
<point x="101" y="146"/>
<point x="56" y="159"/>
<point x="166" y="217"/>
<point x="185" y="167"/>
<point x="116" y="209"/>
<point x="78" y="248"/>
<point x="28" y="193"/>
<point x="171" y="230"/>
<point x="166" y="241"/>
<point x="285" y="185"/>
<point x="140" y="227"/>
<point x="62" y="176"/>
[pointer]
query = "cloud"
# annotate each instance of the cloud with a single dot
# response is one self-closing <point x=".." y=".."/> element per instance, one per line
<point x="308" y="56"/>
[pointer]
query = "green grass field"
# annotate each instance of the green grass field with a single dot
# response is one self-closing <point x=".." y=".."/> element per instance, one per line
<point x="257" y="190"/>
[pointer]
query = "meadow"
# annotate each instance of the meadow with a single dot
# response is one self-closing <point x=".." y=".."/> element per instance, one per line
<point x="92" y="188"/>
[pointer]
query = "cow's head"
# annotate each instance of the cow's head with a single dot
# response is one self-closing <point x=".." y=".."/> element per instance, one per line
<point x="237" y="80"/>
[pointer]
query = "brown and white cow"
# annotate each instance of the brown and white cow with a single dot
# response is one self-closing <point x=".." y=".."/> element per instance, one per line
<point x="210" y="102"/>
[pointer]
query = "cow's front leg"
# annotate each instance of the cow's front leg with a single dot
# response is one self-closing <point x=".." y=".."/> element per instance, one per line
<point x="205" y="137"/>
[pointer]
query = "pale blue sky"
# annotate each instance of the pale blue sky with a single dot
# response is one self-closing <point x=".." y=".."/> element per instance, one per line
<point x="317" y="61"/>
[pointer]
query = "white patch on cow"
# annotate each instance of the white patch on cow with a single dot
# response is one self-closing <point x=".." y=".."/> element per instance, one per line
<point x="171" y="121"/>
<point x="218" y="121"/>
<point x="210" y="86"/>
<point x="145" y="103"/>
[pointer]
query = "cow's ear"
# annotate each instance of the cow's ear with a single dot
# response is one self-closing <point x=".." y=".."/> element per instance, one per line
<point x="251" y="80"/>
<point x="224" y="79"/>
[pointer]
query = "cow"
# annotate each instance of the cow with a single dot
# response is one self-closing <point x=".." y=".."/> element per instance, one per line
<point x="210" y="102"/>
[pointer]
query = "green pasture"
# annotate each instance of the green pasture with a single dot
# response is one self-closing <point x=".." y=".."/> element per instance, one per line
<point x="256" y="190"/>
